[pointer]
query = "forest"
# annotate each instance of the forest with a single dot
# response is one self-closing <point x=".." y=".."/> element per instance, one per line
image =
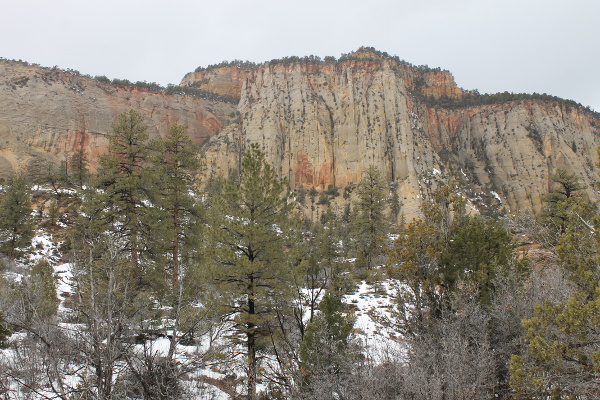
<point x="164" y="287"/>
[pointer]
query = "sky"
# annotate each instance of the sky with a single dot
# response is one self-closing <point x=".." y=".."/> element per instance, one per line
<point x="521" y="46"/>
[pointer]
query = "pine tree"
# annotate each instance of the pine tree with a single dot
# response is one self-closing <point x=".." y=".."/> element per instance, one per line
<point x="124" y="186"/>
<point x="78" y="165"/>
<point x="176" y="163"/>
<point x="252" y="242"/>
<point x="4" y="332"/>
<point x="562" y="360"/>
<point x="328" y="352"/>
<point x="478" y="249"/>
<point x="41" y="301"/>
<point x="563" y="195"/>
<point x="44" y="172"/>
<point x="16" y="228"/>
<point x="370" y="225"/>
<point x="415" y="259"/>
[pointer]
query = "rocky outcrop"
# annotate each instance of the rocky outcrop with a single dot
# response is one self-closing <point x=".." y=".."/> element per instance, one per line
<point x="225" y="81"/>
<point x="49" y="113"/>
<point x="321" y="124"/>
<point x="324" y="124"/>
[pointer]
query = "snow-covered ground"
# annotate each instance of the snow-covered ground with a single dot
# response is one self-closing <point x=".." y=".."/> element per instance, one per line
<point x="372" y="305"/>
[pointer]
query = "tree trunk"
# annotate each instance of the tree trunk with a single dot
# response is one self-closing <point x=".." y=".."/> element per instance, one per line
<point x="251" y="336"/>
<point x="176" y="242"/>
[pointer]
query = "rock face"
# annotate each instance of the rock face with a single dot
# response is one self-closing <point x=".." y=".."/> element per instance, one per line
<point x="321" y="124"/>
<point x="226" y="81"/>
<point x="324" y="124"/>
<point x="50" y="113"/>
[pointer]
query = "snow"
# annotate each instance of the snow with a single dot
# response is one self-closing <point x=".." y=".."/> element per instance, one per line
<point x="374" y="304"/>
<point x="496" y="196"/>
<point x="43" y="247"/>
<point x="64" y="275"/>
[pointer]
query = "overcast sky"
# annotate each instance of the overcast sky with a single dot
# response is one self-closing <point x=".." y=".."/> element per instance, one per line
<point x="544" y="46"/>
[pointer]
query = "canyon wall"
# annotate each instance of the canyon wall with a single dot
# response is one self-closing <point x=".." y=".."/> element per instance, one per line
<point x="321" y="124"/>
<point x="324" y="124"/>
<point x="50" y="113"/>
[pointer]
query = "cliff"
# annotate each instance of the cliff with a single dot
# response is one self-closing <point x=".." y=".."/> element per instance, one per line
<point x="322" y="123"/>
<point x="50" y="113"/>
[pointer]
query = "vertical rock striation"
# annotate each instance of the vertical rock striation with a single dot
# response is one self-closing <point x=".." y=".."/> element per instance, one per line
<point x="324" y="124"/>
<point x="50" y="113"/>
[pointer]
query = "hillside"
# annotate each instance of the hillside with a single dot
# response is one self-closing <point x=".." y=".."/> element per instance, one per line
<point x="322" y="123"/>
<point x="50" y="113"/>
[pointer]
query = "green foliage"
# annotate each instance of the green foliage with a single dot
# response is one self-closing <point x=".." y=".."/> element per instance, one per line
<point x="5" y="332"/>
<point x="444" y="209"/>
<point x="323" y="199"/>
<point x="175" y="89"/>
<point x="123" y="188"/>
<point x="446" y="252"/>
<point x="203" y="94"/>
<point x="370" y="225"/>
<point x="332" y="191"/>
<point x="562" y="360"/>
<point x="564" y="201"/>
<point x="252" y="240"/>
<point x="102" y="78"/>
<point x="175" y="163"/>
<point x="40" y="291"/>
<point x="44" y="172"/>
<point x="16" y="229"/>
<point x="478" y="250"/>
<point x="78" y="165"/>
<point x="327" y="346"/>
<point x="301" y="194"/>
<point x="395" y="206"/>
<point x="474" y="98"/>
<point x="415" y="259"/>
<point x="235" y="63"/>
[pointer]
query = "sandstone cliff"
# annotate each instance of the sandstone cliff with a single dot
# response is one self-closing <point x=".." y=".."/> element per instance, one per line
<point x="49" y="113"/>
<point x="324" y="124"/>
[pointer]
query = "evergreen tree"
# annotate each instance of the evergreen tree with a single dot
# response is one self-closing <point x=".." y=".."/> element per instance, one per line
<point x="16" y="228"/>
<point x="252" y="242"/>
<point x="41" y="302"/>
<point x="4" y="332"/>
<point x="124" y="186"/>
<point x="176" y="162"/>
<point x="370" y="225"/>
<point x="415" y="259"/>
<point x="395" y="207"/>
<point x="44" y="172"/>
<point x="78" y="164"/>
<point x="327" y="351"/>
<point x="318" y="270"/>
<point x="445" y="211"/>
<point x="478" y="249"/>
<point x="562" y="360"/>
<point x="563" y="356"/>
<point x="564" y="194"/>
